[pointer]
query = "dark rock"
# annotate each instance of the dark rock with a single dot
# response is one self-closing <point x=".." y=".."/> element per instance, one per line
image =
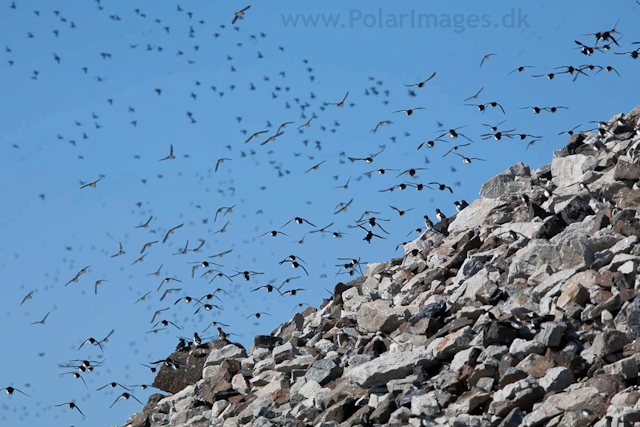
<point x="633" y="322"/>
<point x="442" y="227"/>
<point x="536" y="211"/>
<point x="435" y="309"/>
<point x="514" y="419"/>
<point x="552" y="225"/>
<point x="511" y="375"/>
<point x="572" y="209"/>
<point x="190" y="368"/>
<point x="267" y="341"/>
<point x="340" y="411"/>
<point x="383" y="411"/>
<point x="575" y="145"/>
<point x="627" y="171"/>
<point x="498" y="333"/>
<point x="602" y="220"/>
<point x="609" y="341"/>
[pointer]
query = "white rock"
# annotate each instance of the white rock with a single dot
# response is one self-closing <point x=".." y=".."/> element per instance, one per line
<point x="570" y="169"/>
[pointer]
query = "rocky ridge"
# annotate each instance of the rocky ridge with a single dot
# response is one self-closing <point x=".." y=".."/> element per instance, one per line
<point x="517" y="311"/>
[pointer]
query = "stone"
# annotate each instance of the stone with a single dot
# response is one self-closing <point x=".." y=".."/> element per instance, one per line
<point x="552" y="225"/>
<point x="378" y="316"/>
<point x="267" y="341"/>
<point x="520" y="348"/>
<point x="513" y="419"/>
<point x="227" y="352"/>
<point x="190" y="365"/>
<point x="353" y="299"/>
<point x="239" y="384"/>
<point x="582" y="398"/>
<point x="383" y="411"/>
<point x="284" y="352"/>
<point x="389" y="366"/>
<point x="556" y="379"/>
<point x="576" y="254"/>
<point x="503" y="182"/>
<point x="468" y="402"/>
<point x="431" y="310"/>
<point x="627" y="171"/>
<point x="609" y="341"/>
<point x="570" y="169"/>
<point x="572" y="209"/>
<point x="215" y="379"/>
<point x="550" y="334"/>
<point x="218" y="408"/>
<point x="473" y="215"/>
<point x="486" y="293"/>
<point x="528" y="259"/>
<point x="323" y="371"/>
<point x="288" y="329"/>
<point x="310" y="389"/>
<point x="425" y="405"/>
<point x="627" y="368"/>
<point x="497" y="333"/>
<point x="453" y="343"/>
<point x="574" y="293"/>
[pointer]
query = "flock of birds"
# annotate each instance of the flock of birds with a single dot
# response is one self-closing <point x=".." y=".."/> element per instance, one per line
<point x="368" y="226"/>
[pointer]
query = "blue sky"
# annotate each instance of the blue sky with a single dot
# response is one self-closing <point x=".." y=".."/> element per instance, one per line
<point x="44" y="152"/>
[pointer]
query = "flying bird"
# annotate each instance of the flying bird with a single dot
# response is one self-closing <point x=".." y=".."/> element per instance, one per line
<point x="421" y="84"/>
<point x="239" y="14"/>
<point x="91" y="184"/>
<point x="484" y="58"/>
<point x="71" y="405"/>
<point x="170" y="156"/>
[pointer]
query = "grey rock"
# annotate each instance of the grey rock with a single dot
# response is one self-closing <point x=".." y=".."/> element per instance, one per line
<point x="432" y="310"/>
<point x="627" y="368"/>
<point x="609" y="341"/>
<point x="379" y="316"/>
<point x="513" y="419"/>
<point x="284" y="352"/>
<point x="550" y="334"/>
<point x="556" y="379"/>
<point x="528" y="259"/>
<point x="323" y="371"/>
<point x="504" y="182"/>
<point x="521" y="348"/>
<point x="627" y="171"/>
<point x="425" y="405"/>
<point x="389" y="366"/>
<point x="230" y="351"/>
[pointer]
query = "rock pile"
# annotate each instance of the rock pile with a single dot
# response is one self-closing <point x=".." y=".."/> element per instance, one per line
<point x="521" y="310"/>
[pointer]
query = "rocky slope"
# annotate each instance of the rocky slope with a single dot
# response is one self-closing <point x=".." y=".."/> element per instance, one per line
<point x="518" y="311"/>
